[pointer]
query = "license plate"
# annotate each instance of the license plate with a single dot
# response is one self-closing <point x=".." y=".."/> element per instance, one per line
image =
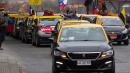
<point x="113" y="36"/>
<point x="83" y="62"/>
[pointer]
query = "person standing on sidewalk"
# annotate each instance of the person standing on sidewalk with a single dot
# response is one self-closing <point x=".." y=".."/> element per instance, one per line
<point x="3" y="25"/>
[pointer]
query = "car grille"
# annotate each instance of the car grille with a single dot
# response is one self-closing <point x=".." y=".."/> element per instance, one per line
<point x="84" y="55"/>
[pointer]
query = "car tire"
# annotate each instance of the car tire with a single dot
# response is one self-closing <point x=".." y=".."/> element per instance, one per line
<point x="54" y="69"/>
<point x="119" y="43"/>
<point x="22" y="38"/>
<point x="26" y="39"/>
<point x="126" y="42"/>
<point x="37" y="41"/>
<point x="33" y="41"/>
<point x="112" y="70"/>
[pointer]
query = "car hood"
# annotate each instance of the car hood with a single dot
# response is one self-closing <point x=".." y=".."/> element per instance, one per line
<point x="89" y="46"/>
<point x="114" y="28"/>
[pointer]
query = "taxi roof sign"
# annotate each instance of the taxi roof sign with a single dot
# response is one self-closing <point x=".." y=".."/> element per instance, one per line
<point x="35" y="2"/>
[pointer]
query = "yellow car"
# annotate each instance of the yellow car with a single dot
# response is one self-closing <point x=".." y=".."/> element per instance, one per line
<point x="82" y="48"/>
<point x="13" y="14"/>
<point x="88" y="25"/>
<point x="115" y="28"/>
<point x="69" y="22"/>
<point x="43" y="26"/>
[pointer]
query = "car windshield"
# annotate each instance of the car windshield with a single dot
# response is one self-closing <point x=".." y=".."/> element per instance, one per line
<point x="82" y="34"/>
<point x="112" y="22"/>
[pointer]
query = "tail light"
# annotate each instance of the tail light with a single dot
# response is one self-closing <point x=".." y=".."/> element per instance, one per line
<point x="46" y="29"/>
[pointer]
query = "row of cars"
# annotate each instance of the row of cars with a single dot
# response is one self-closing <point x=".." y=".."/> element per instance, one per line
<point x="117" y="30"/>
<point x="38" y="29"/>
<point x="86" y="45"/>
<point x="83" y="44"/>
<point x="34" y="29"/>
<point x="80" y="45"/>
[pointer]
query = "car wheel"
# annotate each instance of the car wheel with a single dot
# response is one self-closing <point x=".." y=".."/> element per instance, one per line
<point x="126" y="42"/>
<point x="37" y="41"/>
<point x="112" y="70"/>
<point x="33" y="40"/>
<point x="54" y="69"/>
<point x="119" y="43"/>
<point x="26" y="39"/>
<point x="22" y="38"/>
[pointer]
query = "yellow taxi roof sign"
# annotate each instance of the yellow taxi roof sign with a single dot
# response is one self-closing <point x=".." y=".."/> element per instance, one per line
<point x="35" y="2"/>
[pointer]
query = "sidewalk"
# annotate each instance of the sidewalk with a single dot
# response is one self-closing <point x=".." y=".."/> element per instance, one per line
<point x="8" y="64"/>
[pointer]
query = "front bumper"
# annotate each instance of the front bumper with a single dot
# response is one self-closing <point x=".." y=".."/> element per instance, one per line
<point x="43" y="34"/>
<point x="97" y="65"/>
<point x="44" y="37"/>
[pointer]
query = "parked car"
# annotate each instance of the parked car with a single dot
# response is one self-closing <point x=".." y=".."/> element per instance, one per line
<point x="19" y="22"/>
<point x="43" y="27"/>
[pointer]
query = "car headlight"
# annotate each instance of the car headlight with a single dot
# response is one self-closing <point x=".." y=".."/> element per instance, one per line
<point x="59" y="53"/>
<point x="107" y="54"/>
<point x="125" y="31"/>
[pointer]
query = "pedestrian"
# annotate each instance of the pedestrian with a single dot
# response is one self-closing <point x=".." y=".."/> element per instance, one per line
<point x="1" y="31"/>
<point x="3" y="25"/>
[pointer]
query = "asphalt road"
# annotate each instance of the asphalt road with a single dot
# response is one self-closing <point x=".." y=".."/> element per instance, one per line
<point x="38" y="60"/>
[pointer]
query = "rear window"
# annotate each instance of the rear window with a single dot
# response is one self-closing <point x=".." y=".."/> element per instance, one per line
<point x="112" y="22"/>
<point x="47" y="23"/>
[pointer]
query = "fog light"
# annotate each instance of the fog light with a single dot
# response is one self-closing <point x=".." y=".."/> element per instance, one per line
<point x="59" y="62"/>
<point x="58" y="66"/>
<point x="108" y="62"/>
<point x="109" y="65"/>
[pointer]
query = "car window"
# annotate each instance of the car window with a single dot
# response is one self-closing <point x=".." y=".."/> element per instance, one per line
<point x="112" y="22"/>
<point x="82" y="34"/>
<point x="46" y="23"/>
